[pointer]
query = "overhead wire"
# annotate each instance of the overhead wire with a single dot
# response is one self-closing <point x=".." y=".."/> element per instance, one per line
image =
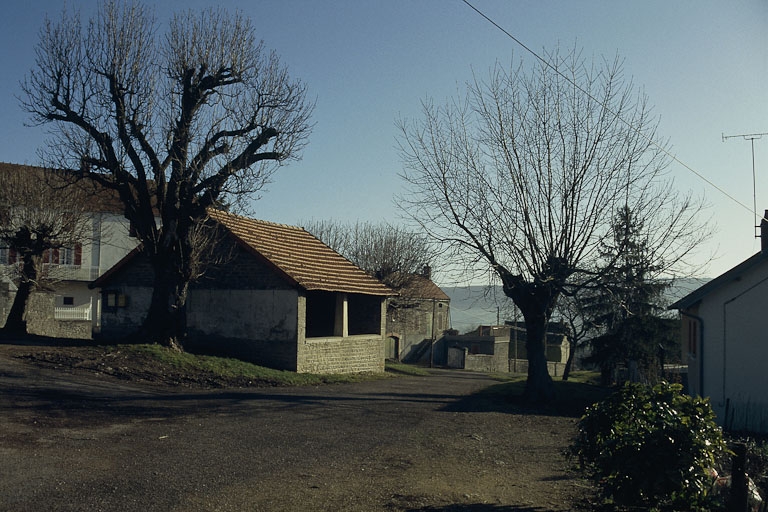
<point x="605" y="105"/>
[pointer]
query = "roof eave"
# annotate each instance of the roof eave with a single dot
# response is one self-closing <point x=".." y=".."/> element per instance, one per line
<point x="699" y="293"/>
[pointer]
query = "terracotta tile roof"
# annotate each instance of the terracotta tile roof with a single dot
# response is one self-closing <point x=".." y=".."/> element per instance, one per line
<point x="300" y="256"/>
<point x="419" y="287"/>
<point x="100" y="199"/>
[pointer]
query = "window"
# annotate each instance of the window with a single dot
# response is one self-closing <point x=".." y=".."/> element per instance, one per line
<point x="69" y="301"/>
<point x="693" y="335"/>
<point x="71" y="256"/>
<point x="7" y="256"/>
<point x="114" y="299"/>
<point x="66" y="256"/>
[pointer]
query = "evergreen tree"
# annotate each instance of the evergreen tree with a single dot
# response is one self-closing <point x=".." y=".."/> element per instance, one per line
<point x="628" y="303"/>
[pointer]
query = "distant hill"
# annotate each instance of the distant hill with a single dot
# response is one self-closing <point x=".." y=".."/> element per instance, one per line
<point x="477" y="305"/>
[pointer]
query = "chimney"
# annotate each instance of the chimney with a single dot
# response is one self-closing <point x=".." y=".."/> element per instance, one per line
<point x="427" y="271"/>
<point x="764" y="233"/>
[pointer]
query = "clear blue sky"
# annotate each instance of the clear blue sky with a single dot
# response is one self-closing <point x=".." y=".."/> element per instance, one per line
<point x="703" y="64"/>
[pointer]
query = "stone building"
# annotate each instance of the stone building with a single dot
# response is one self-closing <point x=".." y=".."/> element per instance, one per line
<point x="281" y="299"/>
<point x="416" y="317"/>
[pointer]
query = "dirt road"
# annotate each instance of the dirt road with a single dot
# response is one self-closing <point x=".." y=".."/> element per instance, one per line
<point x="82" y="442"/>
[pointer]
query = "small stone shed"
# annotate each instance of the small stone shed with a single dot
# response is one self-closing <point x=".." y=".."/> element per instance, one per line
<point x="282" y="299"/>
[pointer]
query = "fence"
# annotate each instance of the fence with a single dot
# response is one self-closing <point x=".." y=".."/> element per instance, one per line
<point x="72" y="313"/>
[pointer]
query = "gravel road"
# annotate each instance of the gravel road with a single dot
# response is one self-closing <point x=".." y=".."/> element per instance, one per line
<point x="88" y="443"/>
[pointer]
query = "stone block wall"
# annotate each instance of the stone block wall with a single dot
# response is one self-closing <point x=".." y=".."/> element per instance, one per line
<point x="521" y="366"/>
<point x="41" y="322"/>
<point x="353" y="354"/>
<point x="459" y="357"/>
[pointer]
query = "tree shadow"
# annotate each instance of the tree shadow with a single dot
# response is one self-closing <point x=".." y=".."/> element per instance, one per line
<point x="36" y="340"/>
<point x="571" y="400"/>
<point x="478" y="507"/>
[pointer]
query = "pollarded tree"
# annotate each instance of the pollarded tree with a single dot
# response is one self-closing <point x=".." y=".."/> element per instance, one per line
<point x="41" y="215"/>
<point x="521" y="179"/>
<point x="175" y="121"/>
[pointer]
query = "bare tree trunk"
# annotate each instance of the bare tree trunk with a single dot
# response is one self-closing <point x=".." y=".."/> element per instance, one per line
<point x="166" y="320"/>
<point x="539" y="387"/>
<point x="15" y="323"/>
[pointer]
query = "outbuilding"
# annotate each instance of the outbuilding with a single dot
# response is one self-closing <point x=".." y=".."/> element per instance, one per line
<point x="279" y="297"/>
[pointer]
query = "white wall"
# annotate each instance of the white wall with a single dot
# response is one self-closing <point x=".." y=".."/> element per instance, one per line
<point x="735" y="350"/>
<point x="113" y="241"/>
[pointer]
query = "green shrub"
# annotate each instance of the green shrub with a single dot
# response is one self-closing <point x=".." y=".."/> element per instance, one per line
<point x="650" y="447"/>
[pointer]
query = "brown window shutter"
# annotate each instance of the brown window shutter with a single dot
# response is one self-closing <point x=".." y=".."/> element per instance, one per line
<point x="78" y="255"/>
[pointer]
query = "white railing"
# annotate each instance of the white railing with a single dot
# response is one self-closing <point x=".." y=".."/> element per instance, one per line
<point x="72" y="313"/>
<point x="71" y="272"/>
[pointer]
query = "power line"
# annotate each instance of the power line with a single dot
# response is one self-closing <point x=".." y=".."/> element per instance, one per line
<point x="607" y="108"/>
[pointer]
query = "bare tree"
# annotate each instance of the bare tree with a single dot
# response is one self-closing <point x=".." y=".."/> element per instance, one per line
<point x="520" y="180"/>
<point x="41" y="220"/>
<point x="197" y="116"/>
<point x="571" y="310"/>
<point x="390" y="253"/>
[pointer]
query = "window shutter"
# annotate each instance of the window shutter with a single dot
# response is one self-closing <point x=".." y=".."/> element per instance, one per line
<point x="78" y="260"/>
<point x="11" y="256"/>
<point x="55" y="257"/>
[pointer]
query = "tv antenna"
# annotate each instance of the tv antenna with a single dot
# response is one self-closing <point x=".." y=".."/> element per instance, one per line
<point x="751" y="137"/>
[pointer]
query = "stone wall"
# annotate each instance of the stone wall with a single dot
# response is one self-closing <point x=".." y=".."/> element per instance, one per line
<point x="7" y="293"/>
<point x="459" y="357"/>
<point x="40" y="319"/>
<point x="521" y="366"/>
<point x="128" y="311"/>
<point x="352" y="354"/>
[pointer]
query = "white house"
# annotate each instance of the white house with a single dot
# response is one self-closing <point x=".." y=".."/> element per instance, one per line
<point x="725" y="342"/>
<point x="73" y="268"/>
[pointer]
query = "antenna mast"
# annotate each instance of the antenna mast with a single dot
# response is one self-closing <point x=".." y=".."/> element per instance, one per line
<point x="751" y="137"/>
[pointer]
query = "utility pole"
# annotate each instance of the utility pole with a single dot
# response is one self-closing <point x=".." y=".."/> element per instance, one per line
<point x="751" y="137"/>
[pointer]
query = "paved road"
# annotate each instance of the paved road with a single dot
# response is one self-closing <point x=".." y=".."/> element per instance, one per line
<point x="415" y="443"/>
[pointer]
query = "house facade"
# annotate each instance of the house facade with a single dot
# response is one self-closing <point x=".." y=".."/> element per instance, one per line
<point x="281" y="298"/>
<point x="724" y="331"/>
<point x="67" y="307"/>
<point x="418" y="316"/>
<point x="501" y="348"/>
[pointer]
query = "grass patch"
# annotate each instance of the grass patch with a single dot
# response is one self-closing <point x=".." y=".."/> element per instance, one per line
<point x="235" y="369"/>
<point x="405" y="369"/>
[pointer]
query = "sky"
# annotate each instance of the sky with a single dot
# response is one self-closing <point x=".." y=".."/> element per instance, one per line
<point x="702" y="63"/>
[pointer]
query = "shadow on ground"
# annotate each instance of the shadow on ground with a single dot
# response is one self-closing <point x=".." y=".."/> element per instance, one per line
<point x="478" y="507"/>
<point x="571" y="400"/>
<point x="33" y="340"/>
